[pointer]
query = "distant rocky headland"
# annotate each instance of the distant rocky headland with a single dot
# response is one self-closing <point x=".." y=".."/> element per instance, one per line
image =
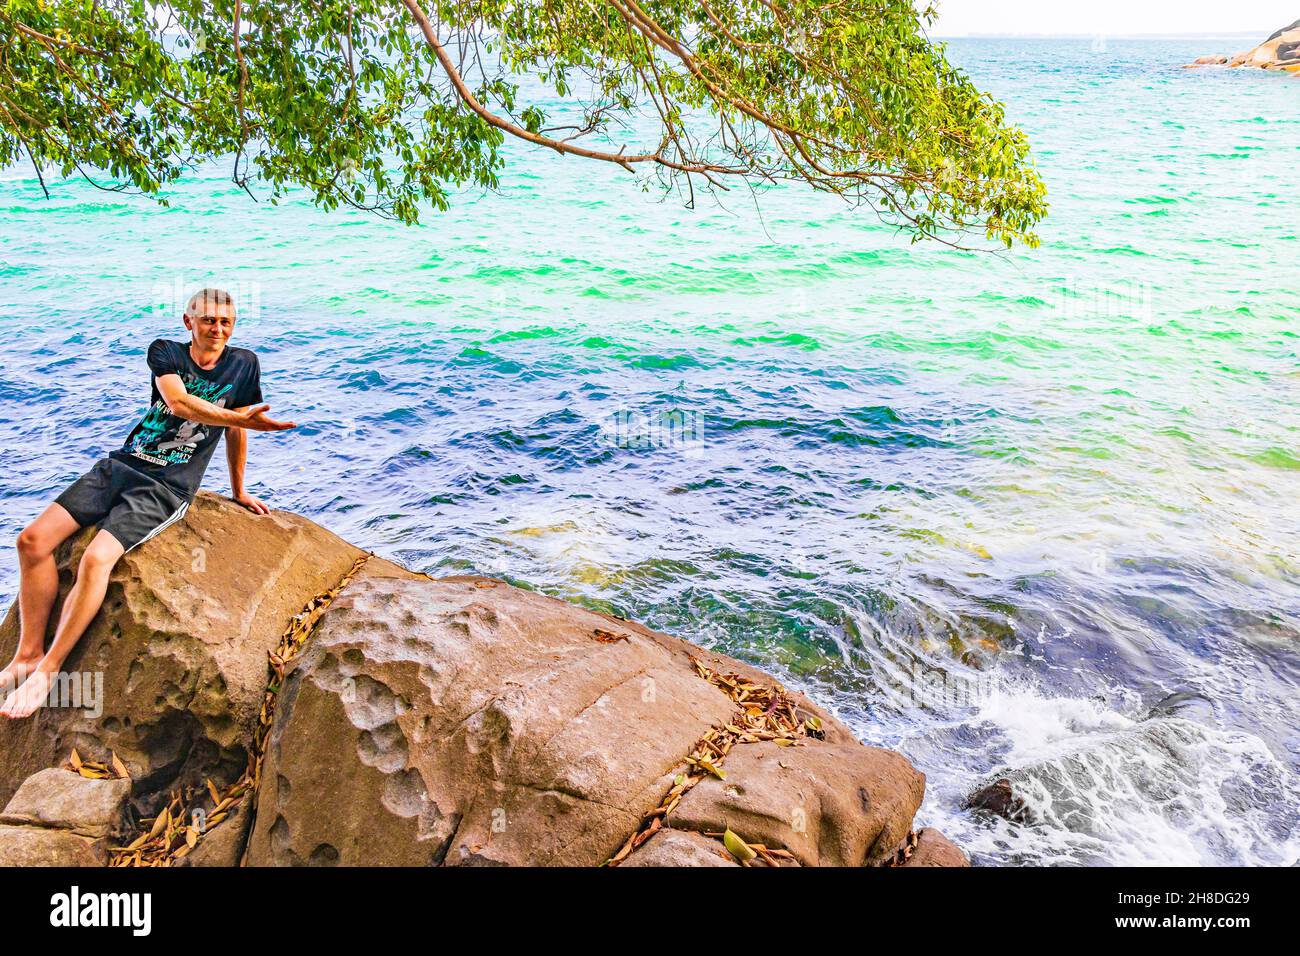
<point x="265" y="693"/>
<point x="1280" y="52"/>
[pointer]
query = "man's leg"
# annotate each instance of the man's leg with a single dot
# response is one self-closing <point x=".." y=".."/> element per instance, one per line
<point x="37" y="590"/>
<point x="79" y="609"/>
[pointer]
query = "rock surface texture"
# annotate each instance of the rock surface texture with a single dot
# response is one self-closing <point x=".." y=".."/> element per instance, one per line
<point x="170" y="674"/>
<point x="1280" y="52"/>
<point x="60" y="818"/>
<point x="935" y="849"/>
<point x="457" y="721"/>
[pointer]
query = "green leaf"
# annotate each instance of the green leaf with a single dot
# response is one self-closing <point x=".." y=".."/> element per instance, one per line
<point x="737" y="847"/>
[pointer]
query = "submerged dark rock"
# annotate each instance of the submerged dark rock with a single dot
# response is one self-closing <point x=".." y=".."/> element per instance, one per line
<point x="1000" y="799"/>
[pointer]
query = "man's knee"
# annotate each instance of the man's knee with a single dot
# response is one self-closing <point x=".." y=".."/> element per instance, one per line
<point x="34" y="546"/>
<point x="100" y="555"/>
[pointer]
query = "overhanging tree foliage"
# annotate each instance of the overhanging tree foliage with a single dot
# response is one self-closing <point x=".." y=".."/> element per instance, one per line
<point x="385" y="105"/>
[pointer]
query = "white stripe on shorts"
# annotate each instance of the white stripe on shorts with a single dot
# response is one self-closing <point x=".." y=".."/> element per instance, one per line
<point x="176" y="516"/>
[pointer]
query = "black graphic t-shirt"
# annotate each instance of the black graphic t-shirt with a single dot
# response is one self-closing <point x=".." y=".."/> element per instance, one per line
<point x="175" y="450"/>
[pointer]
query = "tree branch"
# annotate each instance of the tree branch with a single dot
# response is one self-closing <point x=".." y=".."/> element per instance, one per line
<point x="468" y="98"/>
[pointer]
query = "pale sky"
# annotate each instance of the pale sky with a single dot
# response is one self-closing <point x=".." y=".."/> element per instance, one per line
<point x="1112" y="17"/>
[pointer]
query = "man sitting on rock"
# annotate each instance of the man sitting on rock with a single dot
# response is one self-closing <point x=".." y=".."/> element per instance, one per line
<point x="201" y="389"/>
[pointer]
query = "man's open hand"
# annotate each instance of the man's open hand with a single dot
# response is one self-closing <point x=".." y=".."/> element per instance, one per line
<point x="255" y="417"/>
<point x="252" y="504"/>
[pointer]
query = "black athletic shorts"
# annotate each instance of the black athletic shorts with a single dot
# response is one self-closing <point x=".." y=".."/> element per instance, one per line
<point x="126" y="503"/>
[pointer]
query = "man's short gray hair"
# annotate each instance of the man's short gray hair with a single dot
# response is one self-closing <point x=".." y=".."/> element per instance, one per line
<point x="207" y="297"/>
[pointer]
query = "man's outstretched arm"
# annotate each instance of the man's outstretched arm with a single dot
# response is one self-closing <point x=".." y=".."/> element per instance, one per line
<point x="236" y="455"/>
<point x="184" y="405"/>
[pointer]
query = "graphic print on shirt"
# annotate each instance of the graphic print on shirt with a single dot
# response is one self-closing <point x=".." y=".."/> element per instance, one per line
<point x="166" y="439"/>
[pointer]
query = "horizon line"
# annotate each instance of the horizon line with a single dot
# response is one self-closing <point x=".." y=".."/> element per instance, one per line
<point x="1212" y="35"/>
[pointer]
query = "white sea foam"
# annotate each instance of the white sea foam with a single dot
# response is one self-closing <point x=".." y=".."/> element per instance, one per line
<point x="1105" y="788"/>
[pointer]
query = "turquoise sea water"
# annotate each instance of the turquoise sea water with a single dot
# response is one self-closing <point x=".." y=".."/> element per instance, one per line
<point x="990" y="509"/>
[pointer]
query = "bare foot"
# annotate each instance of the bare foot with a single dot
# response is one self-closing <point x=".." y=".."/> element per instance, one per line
<point x="16" y="672"/>
<point x="27" y="699"/>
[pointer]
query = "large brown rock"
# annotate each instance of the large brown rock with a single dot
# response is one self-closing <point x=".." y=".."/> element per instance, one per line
<point x="828" y="804"/>
<point x="458" y="721"/>
<point x="180" y="648"/>
<point x="451" y="722"/>
<point x="462" y="721"/>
